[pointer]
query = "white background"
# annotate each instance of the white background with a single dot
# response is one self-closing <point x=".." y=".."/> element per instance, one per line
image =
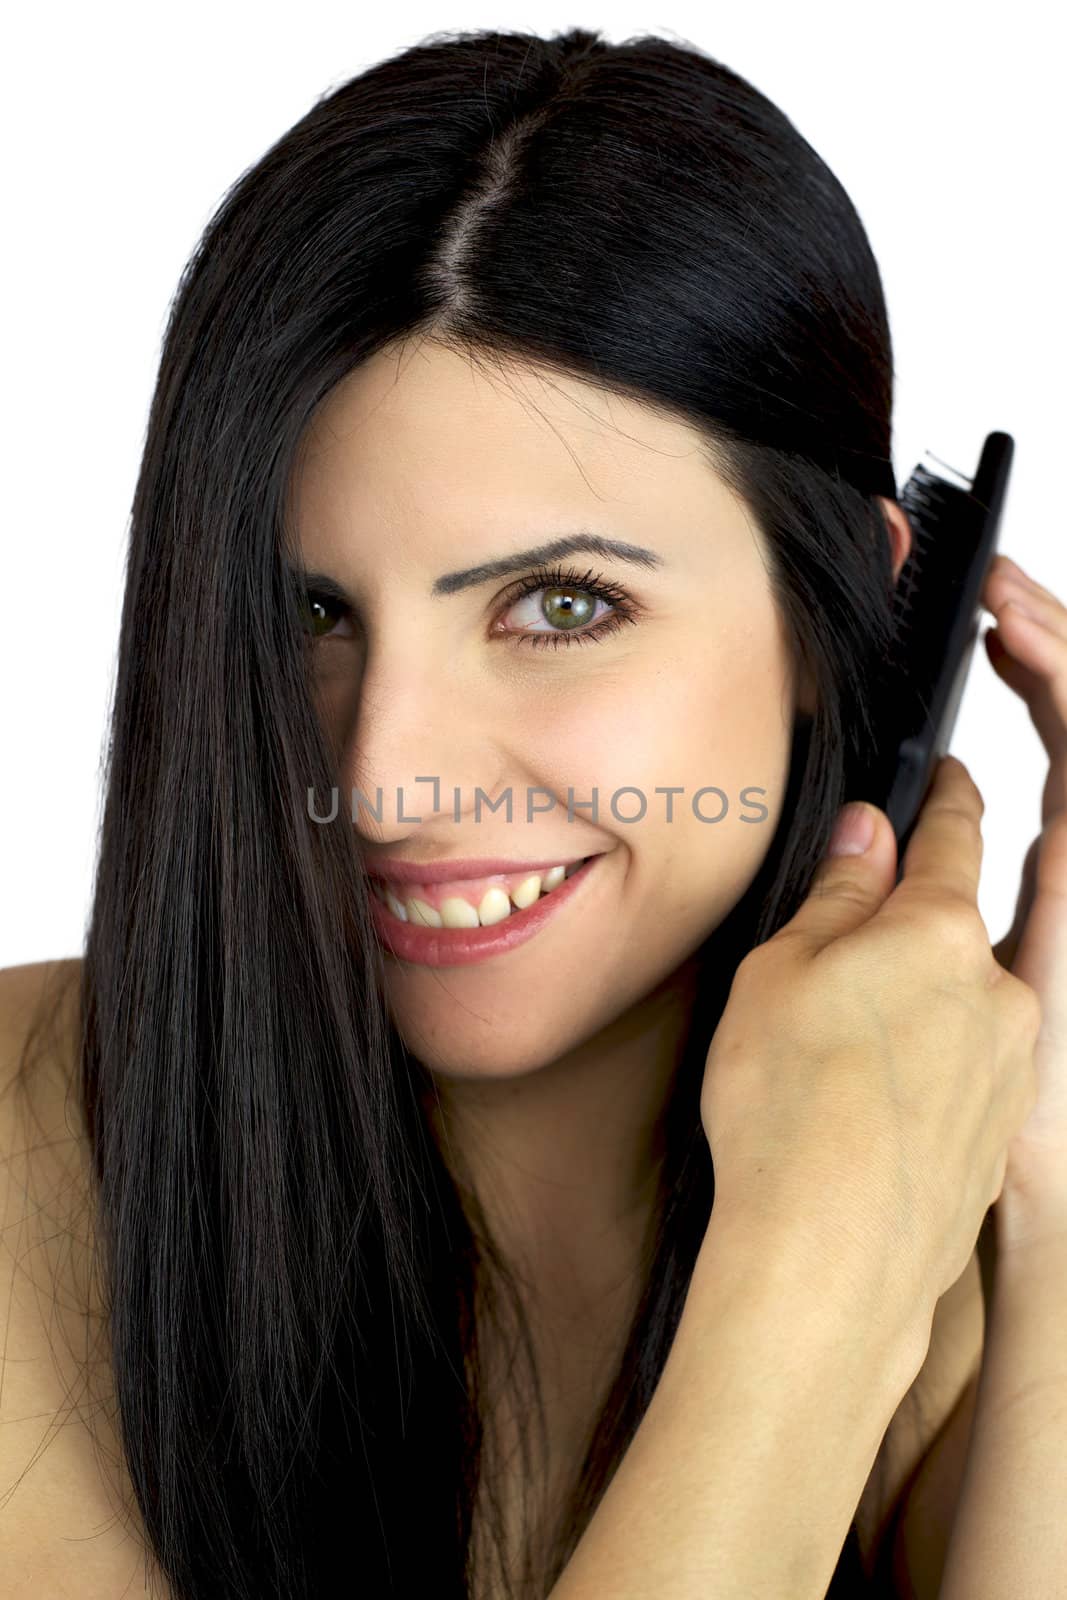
<point x="124" y="125"/>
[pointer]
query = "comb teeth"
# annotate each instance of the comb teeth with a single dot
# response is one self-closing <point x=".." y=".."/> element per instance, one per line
<point x="926" y="596"/>
<point x="925" y="498"/>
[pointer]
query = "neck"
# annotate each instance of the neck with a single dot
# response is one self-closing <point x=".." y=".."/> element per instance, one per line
<point x="564" y="1160"/>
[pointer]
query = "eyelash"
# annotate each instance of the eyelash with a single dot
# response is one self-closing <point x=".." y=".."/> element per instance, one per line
<point x="587" y="583"/>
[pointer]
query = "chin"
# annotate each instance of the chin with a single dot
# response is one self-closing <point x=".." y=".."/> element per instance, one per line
<point x="476" y="1066"/>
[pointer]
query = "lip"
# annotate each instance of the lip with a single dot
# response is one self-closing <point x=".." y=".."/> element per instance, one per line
<point x="459" y="947"/>
<point x="388" y="871"/>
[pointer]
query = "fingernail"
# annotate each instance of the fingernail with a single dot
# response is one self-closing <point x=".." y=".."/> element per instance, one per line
<point x="853" y="831"/>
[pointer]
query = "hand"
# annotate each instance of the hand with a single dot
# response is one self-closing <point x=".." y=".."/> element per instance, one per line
<point x="1029" y="654"/>
<point x="869" y="1068"/>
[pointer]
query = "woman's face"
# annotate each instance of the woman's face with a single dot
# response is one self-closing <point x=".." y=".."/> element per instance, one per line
<point x="421" y="464"/>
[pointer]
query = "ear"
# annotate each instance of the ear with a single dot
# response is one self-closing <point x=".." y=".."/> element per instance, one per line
<point x="899" y="529"/>
<point x="900" y="539"/>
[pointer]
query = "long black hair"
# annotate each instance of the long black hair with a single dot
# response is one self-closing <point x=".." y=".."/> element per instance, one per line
<point x="291" y="1266"/>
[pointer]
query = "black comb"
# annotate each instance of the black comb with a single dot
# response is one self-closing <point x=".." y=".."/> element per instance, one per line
<point x="937" y="607"/>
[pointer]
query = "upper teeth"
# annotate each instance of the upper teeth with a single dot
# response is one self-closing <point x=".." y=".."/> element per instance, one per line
<point x="494" y="905"/>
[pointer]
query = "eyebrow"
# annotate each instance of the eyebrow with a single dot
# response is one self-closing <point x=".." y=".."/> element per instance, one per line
<point x="566" y="545"/>
<point x="469" y="577"/>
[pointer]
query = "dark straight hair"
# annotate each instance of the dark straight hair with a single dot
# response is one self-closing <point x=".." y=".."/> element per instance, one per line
<point x="291" y="1267"/>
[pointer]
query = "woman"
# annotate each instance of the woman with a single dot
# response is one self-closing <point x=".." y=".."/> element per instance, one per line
<point x="396" y="1223"/>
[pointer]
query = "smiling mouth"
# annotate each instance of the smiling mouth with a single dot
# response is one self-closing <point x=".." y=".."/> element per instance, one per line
<point x="482" y="903"/>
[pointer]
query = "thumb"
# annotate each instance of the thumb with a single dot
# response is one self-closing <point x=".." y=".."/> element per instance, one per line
<point x="853" y="879"/>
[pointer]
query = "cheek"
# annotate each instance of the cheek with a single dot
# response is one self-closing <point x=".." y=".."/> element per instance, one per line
<point x="705" y="726"/>
<point x="688" y="727"/>
<point x="336" y="680"/>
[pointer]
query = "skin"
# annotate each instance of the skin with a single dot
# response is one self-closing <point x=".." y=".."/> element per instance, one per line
<point x="552" y="1062"/>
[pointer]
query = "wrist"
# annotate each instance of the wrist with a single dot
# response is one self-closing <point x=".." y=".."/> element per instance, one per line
<point x="818" y="1297"/>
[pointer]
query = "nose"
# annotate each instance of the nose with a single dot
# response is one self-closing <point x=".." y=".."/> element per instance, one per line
<point x="419" y="749"/>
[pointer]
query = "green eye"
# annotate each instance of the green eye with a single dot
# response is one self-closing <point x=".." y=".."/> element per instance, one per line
<point x="568" y="603"/>
<point x="565" y="608"/>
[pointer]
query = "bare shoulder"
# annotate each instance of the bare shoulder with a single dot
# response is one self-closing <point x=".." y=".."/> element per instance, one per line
<point x="39" y="1023"/>
<point x="35" y="996"/>
<point x="65" y="1525"/>
<point x="42" y="1133"/>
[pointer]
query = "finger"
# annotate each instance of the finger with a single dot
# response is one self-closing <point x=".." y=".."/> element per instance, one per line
<point x="1005" y="949"/>
<point x="1002" y="660"/>
<point x="1008" y="581"/>
<point x="1041" y="959"/>
<point x="944" y="852"/>
<point x="846" y="890"/>
<point x="1033" y="663"/>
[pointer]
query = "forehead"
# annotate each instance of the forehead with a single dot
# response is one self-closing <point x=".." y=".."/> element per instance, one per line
<point x="422" y="392"/>
<point x="452" y="454"/>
